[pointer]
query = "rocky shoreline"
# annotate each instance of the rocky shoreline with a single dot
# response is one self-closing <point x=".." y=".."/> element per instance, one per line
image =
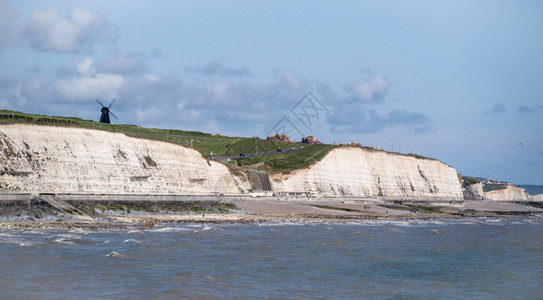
<point x="39" y="214"/>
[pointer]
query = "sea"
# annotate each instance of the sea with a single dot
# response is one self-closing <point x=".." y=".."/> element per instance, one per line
<point x="479" y="258"/>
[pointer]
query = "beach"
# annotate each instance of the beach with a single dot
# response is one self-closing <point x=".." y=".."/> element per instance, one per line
<point x="249" y="210"/>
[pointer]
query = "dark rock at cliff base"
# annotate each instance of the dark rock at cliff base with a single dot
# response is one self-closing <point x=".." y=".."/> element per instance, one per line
<point x="37" y="209"/>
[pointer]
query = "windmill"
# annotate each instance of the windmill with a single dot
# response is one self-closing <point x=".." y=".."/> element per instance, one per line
<point x="104" y="118"/>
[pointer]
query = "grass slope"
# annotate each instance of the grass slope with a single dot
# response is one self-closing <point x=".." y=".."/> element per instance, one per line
<point x="204" y="143"/>
<point x="286" y="162"/>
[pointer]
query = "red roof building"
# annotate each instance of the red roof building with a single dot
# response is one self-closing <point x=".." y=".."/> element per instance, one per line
<point x="279" y="137"/>
<point x="310" y="140"/>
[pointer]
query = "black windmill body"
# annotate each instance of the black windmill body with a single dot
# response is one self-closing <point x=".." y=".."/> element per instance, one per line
<point x="104" y="118"/>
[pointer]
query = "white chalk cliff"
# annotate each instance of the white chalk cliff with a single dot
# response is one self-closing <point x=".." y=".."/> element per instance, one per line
<point x="510" y="193"/>
<point x="350" y="171"/>
<point x="61" y="159"/>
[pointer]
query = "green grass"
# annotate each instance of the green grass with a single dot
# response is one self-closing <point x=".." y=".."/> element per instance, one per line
<point x="204" y="143"/>
<point x="470" y="180"/>
<point x="494" y="187"/>
<point x="289" y="161"/>
<point x="253" y="145"/>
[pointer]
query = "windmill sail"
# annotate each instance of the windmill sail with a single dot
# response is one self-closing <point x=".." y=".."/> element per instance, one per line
<point x="104" y="118"/>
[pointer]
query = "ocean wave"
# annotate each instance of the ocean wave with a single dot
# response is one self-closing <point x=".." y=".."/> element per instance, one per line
<point x="66" y="235"/>
<point x="17" y="241"/>
<point x="132" y="241"/>
<point x="279" y="223"/>
<point x="114" y="254"/>
<point x="170" y="229"/>
<point x="26" y="244"/>
<point x="64" y="241"/>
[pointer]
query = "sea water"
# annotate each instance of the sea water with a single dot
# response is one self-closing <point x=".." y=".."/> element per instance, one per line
<point x="483" y="258"/>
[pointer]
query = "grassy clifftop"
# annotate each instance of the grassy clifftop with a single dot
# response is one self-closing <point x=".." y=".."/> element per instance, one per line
<point x="204" y="143"/>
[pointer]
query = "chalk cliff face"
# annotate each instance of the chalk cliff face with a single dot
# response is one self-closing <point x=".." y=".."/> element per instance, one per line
<point x="360" y="172"/>
<point x="474" y="191"/>
<point x="511" y="193"/>
<point x="60" y="159"/>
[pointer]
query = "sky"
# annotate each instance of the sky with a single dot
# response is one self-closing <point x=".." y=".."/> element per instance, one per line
<point x="458" y="81"/>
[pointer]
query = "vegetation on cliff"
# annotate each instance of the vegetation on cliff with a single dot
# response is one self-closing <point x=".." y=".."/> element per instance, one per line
<point x="289" y="161"/>
<point x="494" y="187"/>
<point x="205" y="143"/>
<point x="467" y="181"/>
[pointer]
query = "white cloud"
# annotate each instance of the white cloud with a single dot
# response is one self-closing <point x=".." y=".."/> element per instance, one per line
<point x="152" y="77"/>
<point x="289" y="78"/>
<point x="35" y="87"/>
<point x="47" y="31"/>
<point x="7" y="16"/>
<point x="215" y="68"/>
<point x="122" y="63"/>
<point x="218" y="90"/>
<point x="89" y="87"/>
<point x="355" y="118"/>
<point x="369" y="91"/>
<point x="84" y="66"/>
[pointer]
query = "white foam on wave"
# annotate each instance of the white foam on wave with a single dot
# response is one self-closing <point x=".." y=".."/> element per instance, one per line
<point x="67" y="235"/>
<point x="17" y="241"/>
<point x="402" y="223"/>
<point x="278" y="223"/>
<point x="132" y="241"/>
<point x="170" y="229"/>
<point x="64" y="241"/>
<point x="26" y="244"/>
<point x="494" y="221"/>
<point x="7" y="234"/>
<point x="114" y="254"/>
<point x="36" y="232"/>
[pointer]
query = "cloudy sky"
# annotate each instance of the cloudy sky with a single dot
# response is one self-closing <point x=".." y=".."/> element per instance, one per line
<point x="459" y="81"/>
